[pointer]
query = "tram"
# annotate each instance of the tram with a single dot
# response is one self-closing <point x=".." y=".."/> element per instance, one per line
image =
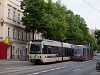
<point x="44" y="51"/>
<point x="82" y="52"/>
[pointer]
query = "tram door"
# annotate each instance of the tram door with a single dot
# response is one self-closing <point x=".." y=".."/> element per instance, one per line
<point x="85" y="53"/>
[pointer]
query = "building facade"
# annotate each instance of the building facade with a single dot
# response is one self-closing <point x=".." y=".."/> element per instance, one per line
<point x="92" y="32"/>
<point x="11" y="28"/>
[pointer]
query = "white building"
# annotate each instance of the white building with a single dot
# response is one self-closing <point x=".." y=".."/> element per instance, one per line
<point x="92" y="32"/>
<point x="11" y="27"/>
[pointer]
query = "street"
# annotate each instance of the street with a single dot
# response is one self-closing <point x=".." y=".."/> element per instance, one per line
<point x="12" y="67"/>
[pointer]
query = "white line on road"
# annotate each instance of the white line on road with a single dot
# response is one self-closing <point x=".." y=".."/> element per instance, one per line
<point x="77" y="69"/>
<point x="58" y="68"/>
<point x="49" y="70"/>
<point x="46" y="71"/>
<point x="53" y="69"/>
<point x="86" y="61"/>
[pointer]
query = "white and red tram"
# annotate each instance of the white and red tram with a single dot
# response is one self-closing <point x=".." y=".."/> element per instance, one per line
<point x="83" y="52"/>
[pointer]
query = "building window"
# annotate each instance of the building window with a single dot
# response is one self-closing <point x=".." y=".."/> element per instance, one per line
<point x="8" y="31"/>
<point x="14" y="16"/>
<point x="35" y="37"/>
<point x="18" y="53"/>
<point x="26" y="35"/>
<point x="8" y="13"/>
<point x="22" y="35"/>
<point x="38" y="37"/>
<point x="18" y="17"/>
<point x="18" y="34"/>
<point x="29" y="36"/>
<point x="14" y="33"/>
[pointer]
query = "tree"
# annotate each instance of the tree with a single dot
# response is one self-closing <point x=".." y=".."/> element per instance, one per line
<point x="97" y="36"/>
<point x="54" y="24"/>
<point x="77" y="31"/>
<point x="33" y="11"/>
<point x="46" y="18"/>
<point x="73" y="33"/>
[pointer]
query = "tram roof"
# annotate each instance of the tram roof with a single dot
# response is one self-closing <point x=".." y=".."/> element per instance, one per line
<point x="83" y="46"/>
<point x="45" y="40"/>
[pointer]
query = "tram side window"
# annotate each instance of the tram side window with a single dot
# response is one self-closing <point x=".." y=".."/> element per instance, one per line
<point x="65" y="51"/>
<point x="59" y="51"/>
<point x="49" y="50"/>
<point x="53" y="49"/>
<point x="69" y="52"/>
<point x="84" y="51"/>
<point x="44" y="50"/>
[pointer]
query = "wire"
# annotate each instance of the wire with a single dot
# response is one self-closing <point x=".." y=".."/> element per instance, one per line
<point x="91" y="6"/>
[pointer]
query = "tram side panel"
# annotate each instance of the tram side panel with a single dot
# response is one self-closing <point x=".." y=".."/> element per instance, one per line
<point x="50" y="52"/>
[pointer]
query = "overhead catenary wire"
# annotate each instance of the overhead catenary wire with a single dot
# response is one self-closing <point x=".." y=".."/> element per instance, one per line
<point x="91" y="6"/>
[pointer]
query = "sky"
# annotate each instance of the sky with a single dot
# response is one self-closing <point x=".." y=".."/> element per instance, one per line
<point x="87" y="9"/>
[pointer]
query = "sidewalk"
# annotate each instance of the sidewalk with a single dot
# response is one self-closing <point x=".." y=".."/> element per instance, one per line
<point x="5" y="63"/>
<point x="11" y="61"/>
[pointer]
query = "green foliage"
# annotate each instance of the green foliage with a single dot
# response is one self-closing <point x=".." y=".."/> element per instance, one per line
<point x="77" y="31"/>
<point x="97" y="36"/>
<point x="33" y="11"/>
<point x="55" y="22"/>
<point x="47" y="18"/>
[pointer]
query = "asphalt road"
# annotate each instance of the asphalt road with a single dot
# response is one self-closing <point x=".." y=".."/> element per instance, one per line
<point x="62" y="68"/>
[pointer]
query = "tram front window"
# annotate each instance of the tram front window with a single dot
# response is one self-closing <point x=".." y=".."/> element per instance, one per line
<point x="35" y="49"/>
<point x="77" y="51"/>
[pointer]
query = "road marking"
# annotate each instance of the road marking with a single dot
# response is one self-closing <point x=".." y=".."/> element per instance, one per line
<point x="77" y="69"/>
<point x="46" y="71"/>
<point x="36" y="73"/>
<point x="86" y="61"/>
<point x="58" y="68"/>
<point x="49" y="70"/>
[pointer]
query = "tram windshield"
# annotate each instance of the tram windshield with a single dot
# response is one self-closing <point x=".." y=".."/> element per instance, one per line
<point x="77" y="51"/>
<point x="35" y="49"/>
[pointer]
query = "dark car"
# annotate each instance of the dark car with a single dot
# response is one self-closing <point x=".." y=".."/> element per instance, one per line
<point x="98" y="66"/>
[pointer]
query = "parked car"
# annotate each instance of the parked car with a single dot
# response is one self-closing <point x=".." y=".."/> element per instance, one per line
<point x="98" y="66"/>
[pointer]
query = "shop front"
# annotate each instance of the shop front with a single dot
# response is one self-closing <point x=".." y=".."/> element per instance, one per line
<point x="6" y="49"/>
